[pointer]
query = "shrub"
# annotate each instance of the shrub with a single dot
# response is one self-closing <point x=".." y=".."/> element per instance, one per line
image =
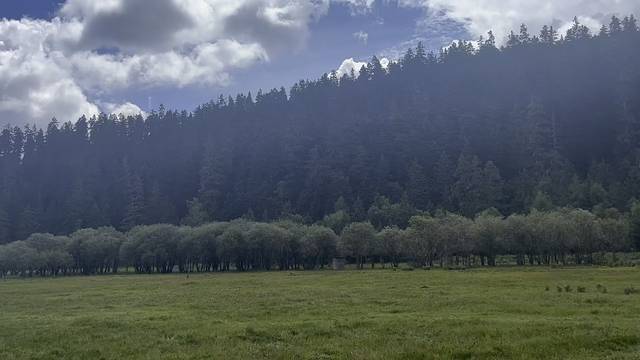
<point x="631" y="291"/>
<point x="582" y="289"/>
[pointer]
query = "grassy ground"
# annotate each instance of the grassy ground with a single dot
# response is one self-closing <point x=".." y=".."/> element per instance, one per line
<point x="377" y="314"/>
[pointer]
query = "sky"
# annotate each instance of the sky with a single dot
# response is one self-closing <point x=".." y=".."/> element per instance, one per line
<point x="66" y="58"/>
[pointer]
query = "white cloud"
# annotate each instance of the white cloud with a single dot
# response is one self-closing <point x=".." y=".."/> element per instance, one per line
<point x="361" y="36"/>
<point x="502" y="16"/>
<point x="350" y="66"/>
<point x="93" y="48"/>
<point x="126" y="109"/>
<point x="34" y="87"/>
<point x="206" y="63"/>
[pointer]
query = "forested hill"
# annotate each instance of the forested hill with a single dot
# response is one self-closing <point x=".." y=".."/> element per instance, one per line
<point x="546" y="120"/>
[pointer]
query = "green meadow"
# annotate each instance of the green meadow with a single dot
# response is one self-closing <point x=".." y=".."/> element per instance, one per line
<point x="512" y="313"/>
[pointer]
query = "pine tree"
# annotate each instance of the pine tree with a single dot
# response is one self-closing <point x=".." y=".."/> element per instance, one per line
<point x="418" y="185"/>
<point x="491" y="187"/>
<point x="634" y="220"/>
<point x="134" y="214"/>
<point x="548" y="35"/>
<point x="212" y="181"/>
<point x="630" y="24"/>
<point x="421" y="54"/>
<point x="376" y="71"/>
<point x="27" y="223"/>
<point x="82" y="209"/>
<point x="543" y="137"/>
<point x="524" y="38"/>
<point x="341" y="205"/>
<point x="604" y="31"/>
<point x="5" y="226"/>
<point x="578" y="31"/>
<point x="542" y="202"/>
<point x="467" y="188"/>
<point x="615" y="27"/>
<point x="196" y="214"/>
<point x="443" y="179"/>
<point x="81" y="130"/>
<point x="488" y="45"/>
<point x="408" y="57"/>
<point x="159" y="209"/>
<point x="358" y="213"/>
<point x="513" y="40"/>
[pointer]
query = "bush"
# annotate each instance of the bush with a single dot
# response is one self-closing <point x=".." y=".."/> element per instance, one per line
<point x="582" y="289"/>
<point x="631" y="291"/>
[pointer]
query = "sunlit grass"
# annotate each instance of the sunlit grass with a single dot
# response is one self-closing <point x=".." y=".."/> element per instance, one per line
<point x="373" y="314"/>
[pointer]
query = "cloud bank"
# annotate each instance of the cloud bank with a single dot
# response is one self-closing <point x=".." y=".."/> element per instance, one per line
<point x="502" y="16"/>
<point x="63" y="67"/>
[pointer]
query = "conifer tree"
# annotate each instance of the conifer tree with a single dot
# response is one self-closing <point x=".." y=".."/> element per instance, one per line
<point x="134" y="213"/>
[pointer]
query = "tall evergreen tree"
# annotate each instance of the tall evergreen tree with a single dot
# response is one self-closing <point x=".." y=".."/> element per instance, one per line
<point x="212" y="181"/>
<point x="134" y="214"/>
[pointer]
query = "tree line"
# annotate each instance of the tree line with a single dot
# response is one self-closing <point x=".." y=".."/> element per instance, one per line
<point x="547" y="116"/>
<point x="561" y="236"/>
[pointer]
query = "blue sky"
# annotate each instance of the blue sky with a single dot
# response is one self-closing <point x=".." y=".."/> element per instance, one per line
<point x="65" y="58"/>
<point x="331" y="41"/>
<point x="16" y="9"/>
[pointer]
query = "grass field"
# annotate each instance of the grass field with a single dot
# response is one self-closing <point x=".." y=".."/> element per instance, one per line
<point x="375" y="314"/>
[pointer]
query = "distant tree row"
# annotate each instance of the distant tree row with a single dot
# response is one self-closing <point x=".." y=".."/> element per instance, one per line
<point x="546" y="117"/>
<point x="563" y="236"/>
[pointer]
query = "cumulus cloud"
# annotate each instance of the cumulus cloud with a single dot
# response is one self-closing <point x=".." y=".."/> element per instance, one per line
<point x="276" y="25"/>
<point x="351" y="66"/>
<point x="65" y="66"/>
<point x="502" y="16"/>
<point x="34" y="86"/>
<point x="130" y="24"/>
<point x="126" y="109"/>
<point x="206" y="63"/>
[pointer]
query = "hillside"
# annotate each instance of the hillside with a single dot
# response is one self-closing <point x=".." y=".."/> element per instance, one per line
<point x="546" y="119"/>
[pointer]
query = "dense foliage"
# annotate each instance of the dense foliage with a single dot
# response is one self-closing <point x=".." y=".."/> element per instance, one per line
<point x="545" y="119"/>
<point x="563" y="236"/>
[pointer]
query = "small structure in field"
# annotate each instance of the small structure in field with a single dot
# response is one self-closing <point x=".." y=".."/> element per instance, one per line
<point x="338" y="263"/>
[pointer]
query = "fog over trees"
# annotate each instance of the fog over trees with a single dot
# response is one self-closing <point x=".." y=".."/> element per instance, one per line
<point x="381" y="166"/>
